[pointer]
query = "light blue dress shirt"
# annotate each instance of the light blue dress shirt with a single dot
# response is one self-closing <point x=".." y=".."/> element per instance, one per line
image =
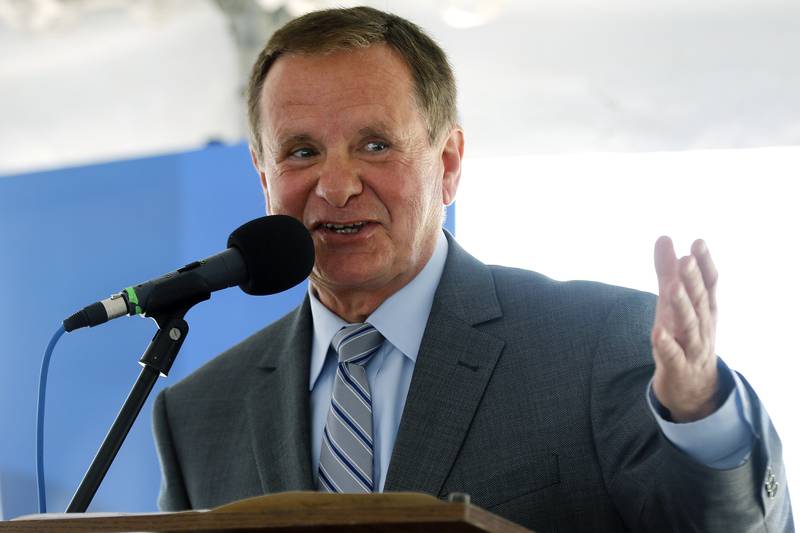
<point x="722" y="440"/>
<point x="401" y="319"/>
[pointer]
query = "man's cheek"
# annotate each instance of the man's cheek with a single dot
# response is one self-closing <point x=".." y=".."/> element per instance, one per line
<point x="281" y="203"/>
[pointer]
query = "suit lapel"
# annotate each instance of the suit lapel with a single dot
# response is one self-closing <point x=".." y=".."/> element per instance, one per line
<point x="278" y="407"/>
<point x="453" y="367"/>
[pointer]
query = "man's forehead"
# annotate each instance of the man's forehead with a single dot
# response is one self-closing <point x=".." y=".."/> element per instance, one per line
<point x="372" y="64"/>
<point x="364" y="90"/>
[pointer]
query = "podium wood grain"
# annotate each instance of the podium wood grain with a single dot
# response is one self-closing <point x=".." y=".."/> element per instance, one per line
<point x="291" y="512"/>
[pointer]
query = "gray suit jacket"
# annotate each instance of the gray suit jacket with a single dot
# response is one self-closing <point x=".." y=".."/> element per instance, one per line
<point x="528" y="394"/>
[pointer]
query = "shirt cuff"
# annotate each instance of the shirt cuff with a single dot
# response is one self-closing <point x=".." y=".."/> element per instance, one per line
<point x="722" y="440"/>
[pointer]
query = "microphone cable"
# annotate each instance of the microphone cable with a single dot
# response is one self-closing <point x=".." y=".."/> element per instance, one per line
<point x="42" y="495"/>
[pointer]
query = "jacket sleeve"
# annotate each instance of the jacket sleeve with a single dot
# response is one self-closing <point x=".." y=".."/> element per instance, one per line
<point x="655" y="486"/>
<point x="172" y="494"/>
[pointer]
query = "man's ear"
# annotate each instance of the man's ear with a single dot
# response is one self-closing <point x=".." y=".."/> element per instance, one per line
<point x="452" y="154"/>
<point x="263" y="176"/>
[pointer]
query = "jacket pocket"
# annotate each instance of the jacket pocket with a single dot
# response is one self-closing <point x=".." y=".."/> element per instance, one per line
<point x="490" y="485"/>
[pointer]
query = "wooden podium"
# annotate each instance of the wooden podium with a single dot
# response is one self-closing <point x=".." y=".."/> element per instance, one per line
<point x="290" y="512"/>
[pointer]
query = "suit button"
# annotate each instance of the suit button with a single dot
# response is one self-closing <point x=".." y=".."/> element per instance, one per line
<point x="771" y="485"/>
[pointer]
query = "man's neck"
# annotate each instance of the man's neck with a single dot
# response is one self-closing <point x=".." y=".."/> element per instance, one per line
<point x="352" y="308"/>
<point x="355" y="304"/>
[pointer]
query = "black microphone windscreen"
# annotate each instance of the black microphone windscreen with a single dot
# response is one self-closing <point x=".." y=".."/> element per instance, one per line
<point x="278" y="252"/>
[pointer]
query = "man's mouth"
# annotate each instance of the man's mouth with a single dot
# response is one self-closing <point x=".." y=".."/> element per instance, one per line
<point x="342" y="229"/>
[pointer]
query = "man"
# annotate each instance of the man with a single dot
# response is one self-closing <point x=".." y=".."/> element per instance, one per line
<point x="412" y="366"/>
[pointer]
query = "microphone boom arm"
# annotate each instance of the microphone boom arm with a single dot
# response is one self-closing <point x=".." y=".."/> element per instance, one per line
<point x="156" y="360"/>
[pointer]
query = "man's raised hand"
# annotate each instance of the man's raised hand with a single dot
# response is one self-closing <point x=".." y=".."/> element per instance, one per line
<point x="685" y="380"/>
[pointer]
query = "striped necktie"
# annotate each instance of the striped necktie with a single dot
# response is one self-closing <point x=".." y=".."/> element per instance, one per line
<point x="345" y="460"/>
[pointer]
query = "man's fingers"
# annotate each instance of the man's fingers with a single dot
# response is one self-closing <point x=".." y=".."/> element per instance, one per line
<point x="666" y="263"/>
<point x="684" y="329"/>
<point x="708" y="271"/>
<point x="696" y="289"/>
<point x="666" y="350"/>
<point x="687" y="324"/>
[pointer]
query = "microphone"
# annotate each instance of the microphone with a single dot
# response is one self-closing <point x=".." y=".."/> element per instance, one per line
<point x="264" y="256"/>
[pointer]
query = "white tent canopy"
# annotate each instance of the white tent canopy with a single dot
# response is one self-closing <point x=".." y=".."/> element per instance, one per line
<point x="95" y="80"/>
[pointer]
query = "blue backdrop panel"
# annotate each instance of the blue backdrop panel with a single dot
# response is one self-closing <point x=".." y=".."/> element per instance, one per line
<point x="72" y="236"/>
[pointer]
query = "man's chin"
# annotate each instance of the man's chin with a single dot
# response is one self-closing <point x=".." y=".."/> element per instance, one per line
<point x="344" y="281"/>
<point x="344" y="278"/>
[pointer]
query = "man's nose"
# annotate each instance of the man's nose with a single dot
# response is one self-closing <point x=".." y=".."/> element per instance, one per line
<point x="339" y="180"/>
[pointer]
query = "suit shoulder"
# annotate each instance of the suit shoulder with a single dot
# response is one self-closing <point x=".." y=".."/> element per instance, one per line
<point x="520" y="288"/>
<point x="520" y="279"/>
<point x="228" y="370"/>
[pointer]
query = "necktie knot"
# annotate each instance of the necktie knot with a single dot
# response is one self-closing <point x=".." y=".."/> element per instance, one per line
<point x="356" y="343"/>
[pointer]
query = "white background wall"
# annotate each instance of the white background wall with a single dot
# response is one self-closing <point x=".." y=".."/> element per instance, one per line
<point x="597" y="216"/>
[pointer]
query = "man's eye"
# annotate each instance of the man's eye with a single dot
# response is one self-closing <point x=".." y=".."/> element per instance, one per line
<point x="302" y="153"/>
<point x="376" y="146"/>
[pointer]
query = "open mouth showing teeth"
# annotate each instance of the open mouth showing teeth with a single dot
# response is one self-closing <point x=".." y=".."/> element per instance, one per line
<point x="345" y="228"/>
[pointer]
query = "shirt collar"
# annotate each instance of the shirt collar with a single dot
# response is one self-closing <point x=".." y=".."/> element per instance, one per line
<point x="401" y="318"/>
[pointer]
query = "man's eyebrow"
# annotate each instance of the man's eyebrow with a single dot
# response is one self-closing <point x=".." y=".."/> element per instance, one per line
<point x="296" y="138"/>
<point x="378" y="129"/>
<point x="284" y="143"/>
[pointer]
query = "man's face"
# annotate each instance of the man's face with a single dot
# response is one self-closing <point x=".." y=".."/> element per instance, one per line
<point x="346" y="151"/>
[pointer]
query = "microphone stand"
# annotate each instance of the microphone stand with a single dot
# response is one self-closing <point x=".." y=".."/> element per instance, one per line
<point x="157" y="360"/>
